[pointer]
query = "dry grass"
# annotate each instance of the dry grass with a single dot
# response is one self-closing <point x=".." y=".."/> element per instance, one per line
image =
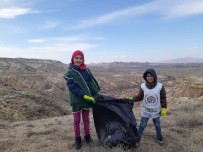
<point x="182" y="131"/>
<point x="189" y="120"/>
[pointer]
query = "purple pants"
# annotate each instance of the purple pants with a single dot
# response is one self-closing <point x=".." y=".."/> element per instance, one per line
<point x="86" y="122"/>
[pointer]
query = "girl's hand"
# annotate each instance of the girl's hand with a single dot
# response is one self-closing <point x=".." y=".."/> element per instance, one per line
<point x="88" y="98"/>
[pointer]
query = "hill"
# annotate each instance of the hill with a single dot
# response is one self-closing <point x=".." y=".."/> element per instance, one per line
<point x="35" y="114"/>
<point x="185" y="60"/>
<point x="33" y="89"/>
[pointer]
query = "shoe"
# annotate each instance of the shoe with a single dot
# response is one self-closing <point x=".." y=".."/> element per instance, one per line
<point x="160" y="140"/>
<point x="88" y="139"/>
<point x="78" y="143"/>
<point x="138" y="142"/>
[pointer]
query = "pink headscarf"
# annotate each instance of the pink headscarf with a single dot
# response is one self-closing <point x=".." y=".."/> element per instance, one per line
<point x="78" y="52"/>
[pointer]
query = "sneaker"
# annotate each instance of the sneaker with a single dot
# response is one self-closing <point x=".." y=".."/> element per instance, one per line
<point x="160" y="140"/>
<point x="78" y="143"/>
<point x="88" y="139"/>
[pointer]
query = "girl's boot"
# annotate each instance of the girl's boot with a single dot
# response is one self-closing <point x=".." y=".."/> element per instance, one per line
<point x="77" y="143"/>
<point x="88" y="139"/>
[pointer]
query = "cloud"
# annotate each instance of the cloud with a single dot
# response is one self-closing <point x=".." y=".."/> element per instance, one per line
<point x="67" y="39"/>
<point x="62" y="48"/>
<point x="194" y="47"/>
<point x="121" y="57"/>
<point x="36" y="41"/>
<point x="182" y="8"/>
<point x="49" y="25"/>
<point x="163" y="8"/>
<point x="56" y="48"/>
<point x="48" y="50"/>
<point x="9" y="13"/>
<point x="16" y="30"/>
<point x="133" y="11"/>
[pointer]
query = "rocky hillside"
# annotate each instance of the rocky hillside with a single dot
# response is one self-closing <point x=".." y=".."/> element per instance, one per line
<point x="33" y="89"/>
<point x="124" y="81"/>
<point x="34" y="105"/>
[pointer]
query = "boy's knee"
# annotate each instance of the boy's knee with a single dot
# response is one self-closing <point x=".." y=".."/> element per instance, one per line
<point x="156" y="123"/>
<point x="143" y="125"/>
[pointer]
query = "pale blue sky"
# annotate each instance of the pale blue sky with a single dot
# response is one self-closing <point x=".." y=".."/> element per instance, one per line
<point x="105" y="30"/>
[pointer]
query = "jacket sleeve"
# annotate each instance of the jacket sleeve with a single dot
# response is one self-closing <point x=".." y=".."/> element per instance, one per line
<point x="139" y="96"/>
<point x="163" y="97"/>
<point x="74" y="87"/>
<point x="65" y="76"/>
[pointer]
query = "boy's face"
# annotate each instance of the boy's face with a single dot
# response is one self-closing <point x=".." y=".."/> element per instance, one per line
<point x="149" y="78"/>
<point x="78" y="60"/>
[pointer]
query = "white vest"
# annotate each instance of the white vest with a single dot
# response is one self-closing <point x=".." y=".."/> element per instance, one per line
<point x="151" y="101"/>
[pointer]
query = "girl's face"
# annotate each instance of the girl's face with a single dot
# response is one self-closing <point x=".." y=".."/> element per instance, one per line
<point x="149" y="78"/>
<point x="78" y="60"/>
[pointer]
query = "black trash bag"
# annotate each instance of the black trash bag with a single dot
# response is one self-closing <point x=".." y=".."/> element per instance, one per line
<point x="115" y="122"/>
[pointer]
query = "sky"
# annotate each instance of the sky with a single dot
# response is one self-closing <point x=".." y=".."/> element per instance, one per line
<point x="105" y="30"/>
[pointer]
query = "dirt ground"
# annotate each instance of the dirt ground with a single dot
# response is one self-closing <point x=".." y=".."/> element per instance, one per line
<point x="182" y="131"/>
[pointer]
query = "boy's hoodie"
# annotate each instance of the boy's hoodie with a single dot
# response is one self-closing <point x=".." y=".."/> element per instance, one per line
<point x="140" y="95"/>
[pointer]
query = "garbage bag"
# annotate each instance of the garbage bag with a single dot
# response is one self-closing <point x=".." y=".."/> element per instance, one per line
<point x="115" y="122"/>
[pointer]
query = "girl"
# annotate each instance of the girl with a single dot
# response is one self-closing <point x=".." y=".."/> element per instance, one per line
<point x="82" y="89"/>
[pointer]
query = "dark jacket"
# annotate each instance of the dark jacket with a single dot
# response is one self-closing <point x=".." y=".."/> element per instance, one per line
<point x="140" y="95"/>
<point x="80" y="83"/>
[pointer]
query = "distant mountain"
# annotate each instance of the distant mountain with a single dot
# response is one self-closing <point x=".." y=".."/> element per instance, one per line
<point x="184" y="60"/>
<point x="23" y="65"/>
<point x="128" y="66"/>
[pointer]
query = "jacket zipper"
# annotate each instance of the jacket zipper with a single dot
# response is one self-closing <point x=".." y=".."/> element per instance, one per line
<point x="92" y="79"/>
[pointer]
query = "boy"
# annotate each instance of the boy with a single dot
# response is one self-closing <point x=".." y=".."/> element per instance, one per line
<point x="152" y="95"/>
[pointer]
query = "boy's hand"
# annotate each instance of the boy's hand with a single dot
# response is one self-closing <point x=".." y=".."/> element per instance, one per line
<point x="131" y="99"/>
<point x="88" y="98"/>
<point x="163" y="112"/>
